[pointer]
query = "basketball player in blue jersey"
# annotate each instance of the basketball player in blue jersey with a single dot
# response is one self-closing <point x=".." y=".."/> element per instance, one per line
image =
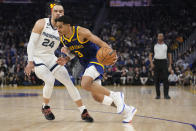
<point x="80" y="42"/>
<point x="43" y="42"/>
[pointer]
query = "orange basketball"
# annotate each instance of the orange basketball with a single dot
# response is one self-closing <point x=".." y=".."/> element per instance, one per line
<point x="106" y="56"/>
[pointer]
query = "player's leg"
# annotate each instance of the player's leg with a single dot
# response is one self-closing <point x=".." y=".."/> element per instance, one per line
<point x="165" y="81"/>
<point x="44" y="73"/>
<point x="61" y="74"/>
<point x="88" y="84"/>
<point x="157" y="81"/>
<point x="129" y="111"/>
<point x="106" y="100"/>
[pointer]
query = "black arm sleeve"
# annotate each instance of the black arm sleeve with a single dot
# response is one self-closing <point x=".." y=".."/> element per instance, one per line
<point x="152" y="49"/>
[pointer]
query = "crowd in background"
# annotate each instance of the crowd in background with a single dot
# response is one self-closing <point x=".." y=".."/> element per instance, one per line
<point x="132" y="31"/>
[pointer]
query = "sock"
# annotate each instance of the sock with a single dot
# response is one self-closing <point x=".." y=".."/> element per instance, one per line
<point x="107" y="100"/>
<point x="111" y="92"/>
<point x="81" y="109"/>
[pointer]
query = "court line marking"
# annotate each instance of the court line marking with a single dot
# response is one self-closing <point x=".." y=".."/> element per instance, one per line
<point x="149" y="117"/>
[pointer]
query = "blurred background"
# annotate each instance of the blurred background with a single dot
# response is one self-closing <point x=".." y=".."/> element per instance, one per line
<point x="128" y="26"/>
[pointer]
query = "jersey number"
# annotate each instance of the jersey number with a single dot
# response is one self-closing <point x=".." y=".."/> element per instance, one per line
<point x="79" y="53"/>
<point x="48" y="43"/>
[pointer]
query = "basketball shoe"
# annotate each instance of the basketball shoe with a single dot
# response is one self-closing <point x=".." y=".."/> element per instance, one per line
<point x="86" y="117"/>
<point x="118" y="98"/>
<point x="47" y="113"/>
<point x="129" y="113"/>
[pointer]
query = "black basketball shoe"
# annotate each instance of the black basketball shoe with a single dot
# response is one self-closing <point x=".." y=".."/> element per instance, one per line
<point x="85" y="116"/>
<point x="47" y="113"/>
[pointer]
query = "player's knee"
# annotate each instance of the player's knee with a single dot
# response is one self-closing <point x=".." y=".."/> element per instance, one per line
<point x="50" y="82"/>
<point x="86" y="85"/>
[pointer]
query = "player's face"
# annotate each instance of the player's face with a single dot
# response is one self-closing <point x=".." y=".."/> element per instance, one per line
<point x="62" y="28"/>
<point x="160" y="37"/>
<point x="57" y="11"/>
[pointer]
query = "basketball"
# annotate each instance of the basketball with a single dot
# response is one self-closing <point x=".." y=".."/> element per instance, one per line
<point x="106" y="56"/>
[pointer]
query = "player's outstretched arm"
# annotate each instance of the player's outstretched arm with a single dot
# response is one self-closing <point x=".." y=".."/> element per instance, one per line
<point x="87" y="34"/>
<point x="37" y="29"/>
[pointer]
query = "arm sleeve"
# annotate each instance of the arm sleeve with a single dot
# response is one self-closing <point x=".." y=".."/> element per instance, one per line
<point x="30" y="47"/>
<point x="152" y="49"/>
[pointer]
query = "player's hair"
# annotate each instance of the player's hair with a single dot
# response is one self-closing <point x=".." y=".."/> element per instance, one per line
<point x="64" y="19"/>
<point x="57" y="3"/>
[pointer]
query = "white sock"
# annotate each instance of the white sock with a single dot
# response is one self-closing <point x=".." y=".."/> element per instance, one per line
<point x="111" y="92"/>
<point x="107" y="100"/>
<point x="81" y="108"/>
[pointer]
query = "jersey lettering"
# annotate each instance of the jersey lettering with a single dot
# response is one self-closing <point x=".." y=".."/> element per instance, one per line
<point x="48" y="43"/>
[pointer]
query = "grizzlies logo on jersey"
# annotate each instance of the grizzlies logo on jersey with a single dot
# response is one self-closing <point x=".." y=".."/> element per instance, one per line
<point x="48" y="41"/>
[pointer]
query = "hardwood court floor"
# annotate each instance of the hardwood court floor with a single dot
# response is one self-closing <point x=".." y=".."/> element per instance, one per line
<point x="20" y="110"/>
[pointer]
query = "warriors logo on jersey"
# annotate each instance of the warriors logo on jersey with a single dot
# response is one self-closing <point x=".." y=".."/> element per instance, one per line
<point x="85" y="51"/>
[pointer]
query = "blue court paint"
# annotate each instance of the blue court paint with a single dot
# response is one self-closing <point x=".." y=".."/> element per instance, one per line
<point x="194" y="126"/>
<point x="18" y="95"/>
<point x="148" y="117"/>
<point x="185" y="123"/>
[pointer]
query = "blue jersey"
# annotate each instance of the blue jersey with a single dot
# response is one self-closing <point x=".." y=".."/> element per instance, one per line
<point x="86" y="51"/>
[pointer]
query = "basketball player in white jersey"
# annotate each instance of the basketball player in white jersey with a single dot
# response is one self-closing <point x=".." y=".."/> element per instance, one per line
<point x="44" y="40"/>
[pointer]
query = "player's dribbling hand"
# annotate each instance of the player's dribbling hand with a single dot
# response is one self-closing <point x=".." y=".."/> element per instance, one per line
<point x="62" y="61"/>
<point x="29" y="68"/>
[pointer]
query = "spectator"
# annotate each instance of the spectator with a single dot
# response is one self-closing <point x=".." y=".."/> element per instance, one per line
<point x="194" y="78"/>
<point x="105" y="79"/>
<point x="188" y="75"/>
<point x="130" y="76"/>
<point x="144" y="76"/>
<point x="150" y="78"/>
<point x="116" y="77"/>
<point x="136" y="79"/>
<point x="124" y="75"/>
<point x="2" y="75"/>
<point x="109" y="76"/>
<point x="173" y="79"/>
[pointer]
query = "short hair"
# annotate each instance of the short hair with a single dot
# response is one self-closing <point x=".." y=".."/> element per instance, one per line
<point x="160" y="33"/>
<point x="64" y="19"/>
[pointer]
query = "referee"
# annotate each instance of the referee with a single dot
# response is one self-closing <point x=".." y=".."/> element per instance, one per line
<point x="161" y="52"/>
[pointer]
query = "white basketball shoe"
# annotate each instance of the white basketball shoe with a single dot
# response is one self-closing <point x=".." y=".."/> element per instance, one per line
<point x="118" y="98"/>
<point x="129" y="111"/>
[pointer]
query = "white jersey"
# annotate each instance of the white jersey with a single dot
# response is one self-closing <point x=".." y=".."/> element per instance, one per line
<point x="47" y="44"/>
<point x="49" y="40"/>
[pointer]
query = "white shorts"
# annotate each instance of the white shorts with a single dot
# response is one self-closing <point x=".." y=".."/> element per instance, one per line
<point x="48" y="60"/>
<point x="93" y="73"/>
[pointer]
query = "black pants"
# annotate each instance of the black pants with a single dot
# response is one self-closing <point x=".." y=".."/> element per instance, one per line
<point x="161" y="75"/>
